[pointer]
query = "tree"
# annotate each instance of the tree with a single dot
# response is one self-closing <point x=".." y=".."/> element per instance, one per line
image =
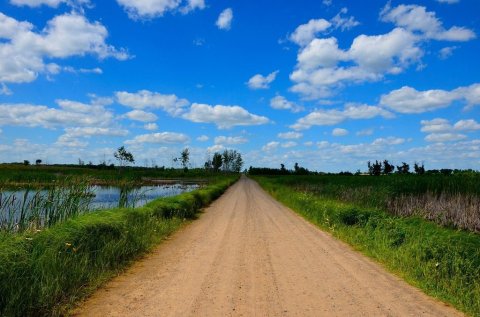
<point x="403" y="169"/>
<point x="375" y="168"/>
<point x="237" y="163"/>
<point x="217" y="161"/>
<point x="26" y="162"/>
<point x="419" y="169"/>
<point x="185" y="158"/>
<point x="38" y="162"/>
<point x="387" y="167"/>
<point x="123" y="156"/>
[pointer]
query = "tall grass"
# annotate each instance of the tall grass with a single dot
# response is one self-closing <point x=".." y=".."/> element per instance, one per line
<point x="37" y="209"/>
<point x="44" y="273"/>
<point x="452" y="201"/>
<point x="444" y="262"/>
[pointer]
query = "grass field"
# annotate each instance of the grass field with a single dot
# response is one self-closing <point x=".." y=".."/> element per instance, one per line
<point x="44" y="273"/>
<point x="443" y="261"/>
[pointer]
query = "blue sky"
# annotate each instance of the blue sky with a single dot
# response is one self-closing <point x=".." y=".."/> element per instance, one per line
<point x="327" y="84"/>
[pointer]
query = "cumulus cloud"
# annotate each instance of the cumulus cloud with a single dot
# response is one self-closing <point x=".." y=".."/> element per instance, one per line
<point x="445" y="137"/>
<point x="149" y="9"/>
<point x="223" y="116"/>
<point x="288" y="144"/>
<point x="290" y="135"/>
<point x="270" y="146"/>
<point x="339" y="132"/>
<point x="365" y="132"/>
<point x="319" y="69"/>
<point x="159" y="138"/>
<point x="448" y="1"/>
<point x="140" y="115"/>
<point x="150" y="126"/>
<point x="335" y="116"/>
<point x="410" y="100"/>
<point x="4" y="90"/>
<point x="145" y="99"/>
<point x="230" y="140"/>
<point x="224" y="21"/>
<point x="441" y="130"/>
<point x="259" y="81"/>
<point x="446" y="52"/>
<point x="93" y="131"/>
<point x="344" y="23"/>
<point x="68" y="114"/>
<point x="203" y="138"/>
<point x="281" y="103"/>
<point x="50" y="3"/>
<point x="305" y="33"/>
<point x="416" y="18"/>
<point x="323" y="67"/>
<point x="24" y="52"/>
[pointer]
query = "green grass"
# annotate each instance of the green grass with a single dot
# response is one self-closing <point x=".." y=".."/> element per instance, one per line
<point x="443" y="262"/>
<point x="45" y="273"/>
<point x="21" y="176"/>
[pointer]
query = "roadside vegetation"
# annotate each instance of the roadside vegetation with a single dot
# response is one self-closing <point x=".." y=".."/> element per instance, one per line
<point x="45" y="272"/>
<point x="54" y="250"/>
<point x="422" y="227"/>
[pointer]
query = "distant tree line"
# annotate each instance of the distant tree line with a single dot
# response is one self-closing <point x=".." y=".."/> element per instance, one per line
<point x="227" y="161"/>
<point x="297" y="170"/>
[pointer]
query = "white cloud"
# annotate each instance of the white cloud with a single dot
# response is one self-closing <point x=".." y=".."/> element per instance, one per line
<point x="388" y="141"/>
<point x="327" y="2"/>
<point x="262" y="82"/>
<point x="339" y="132"/>
<point x="150" y="126"/>
<point x="4" y="90"/>
<point x="445" y="137"/>
<point x="159" y="138"/>
<point x="192" y="5"/>
<point x="410" y="100"/>
<point x="448" y="1"/>
<point x="93" y="131"/>
<point x="223" y="116"/>
<point x="50" y="3"/>
<point x="140" y="115"/>
<point x="145" y="99"/>
<point x="224" y="21"/>
<point x="344" y="23"/>
<point x="271" y="146"/>
<point x="23" y="52"/>
<point x="69" y="114"/>
<point x="436" y="125"/>
<point x="365" y="132"/>
<point x="289" y="144"/>
<point x="305" y="33"/>
<point x="416" y="18"/>
<point x="230" y="140"/>
<point x="369" y="58"/>
<point x="467" y="125"/>
<point x="446" y="52"/>
<point x="281" y="103"/>
<point x="440" y="125"/>
<point x="334" y="116"/>
<point x="290" y="135"/>
<point x="203" y="138"/>
<point x="215" y="148"/>
<point x="149" y="9"/>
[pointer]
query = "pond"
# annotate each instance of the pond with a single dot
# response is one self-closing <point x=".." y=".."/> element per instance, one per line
<point x="33" y="209"/>
<point x="109" y="197"/>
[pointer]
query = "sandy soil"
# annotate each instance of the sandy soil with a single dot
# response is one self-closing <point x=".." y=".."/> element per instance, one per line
<point x="248" y="255"/>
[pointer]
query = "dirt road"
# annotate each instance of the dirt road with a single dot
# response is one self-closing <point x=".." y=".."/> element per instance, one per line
<point x="248" y="255"/>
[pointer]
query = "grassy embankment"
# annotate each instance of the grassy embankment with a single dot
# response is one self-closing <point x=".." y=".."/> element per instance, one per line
<point x="443" y="261"/>
<point x="47" y="272"/>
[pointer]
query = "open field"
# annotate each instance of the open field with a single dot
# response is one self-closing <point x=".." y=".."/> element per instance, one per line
<point x="443" y="261"/>
<point x="47" y="271"/>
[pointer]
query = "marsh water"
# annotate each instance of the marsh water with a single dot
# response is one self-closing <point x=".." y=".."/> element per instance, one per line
<point x="23" y="209"/>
